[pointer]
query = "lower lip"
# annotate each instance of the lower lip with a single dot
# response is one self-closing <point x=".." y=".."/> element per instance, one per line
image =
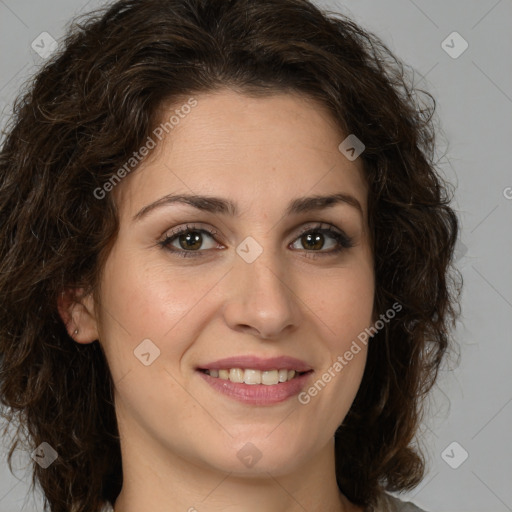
<point x="258" y="394"/>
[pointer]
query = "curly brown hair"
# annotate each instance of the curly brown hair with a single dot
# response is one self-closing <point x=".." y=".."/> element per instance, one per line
<point x="95" y="102"/>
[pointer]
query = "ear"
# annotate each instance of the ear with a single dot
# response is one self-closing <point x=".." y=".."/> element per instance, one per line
<point x="78" y="314"/>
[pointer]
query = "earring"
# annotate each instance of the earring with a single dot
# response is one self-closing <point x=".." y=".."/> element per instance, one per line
<point x="76" y="332"/>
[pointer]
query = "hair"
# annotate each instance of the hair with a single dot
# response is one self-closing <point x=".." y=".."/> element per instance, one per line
<point x="95" y="102"/>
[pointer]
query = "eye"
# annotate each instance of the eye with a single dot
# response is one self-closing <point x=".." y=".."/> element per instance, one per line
<point x="313" y="239"/>
<point x="187" y="241"/>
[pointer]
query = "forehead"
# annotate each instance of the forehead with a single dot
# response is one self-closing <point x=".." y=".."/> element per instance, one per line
<point x="252" y="149"/>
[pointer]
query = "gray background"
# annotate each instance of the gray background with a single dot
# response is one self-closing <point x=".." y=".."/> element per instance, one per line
<point x="471" y="404"/>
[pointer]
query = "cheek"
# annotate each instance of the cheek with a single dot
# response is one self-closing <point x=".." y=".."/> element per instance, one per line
<point x="154" y="301"/>
<point x="343" y="306"/>
<point x="343" y="303"/>
<point x="148" y="298"/>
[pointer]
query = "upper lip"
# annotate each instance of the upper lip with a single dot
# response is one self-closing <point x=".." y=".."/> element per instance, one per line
<point x="258" y="363"/>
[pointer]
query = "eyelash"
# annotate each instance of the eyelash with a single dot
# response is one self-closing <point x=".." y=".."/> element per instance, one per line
<point x="344" y="241"/>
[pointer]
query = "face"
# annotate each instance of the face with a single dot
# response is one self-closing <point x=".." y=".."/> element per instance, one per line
<point x="261" y="274"/>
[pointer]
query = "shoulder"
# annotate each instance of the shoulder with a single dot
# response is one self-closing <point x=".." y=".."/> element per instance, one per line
<point x="388" y="503"/>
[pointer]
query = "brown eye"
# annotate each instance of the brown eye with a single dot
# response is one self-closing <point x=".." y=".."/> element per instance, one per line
<point x="189" y="241"/>
<point x="315" y="239"/>
<point x="310" y="241"/>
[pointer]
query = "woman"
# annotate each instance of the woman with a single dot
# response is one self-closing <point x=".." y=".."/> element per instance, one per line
<point x="225" y="263"/>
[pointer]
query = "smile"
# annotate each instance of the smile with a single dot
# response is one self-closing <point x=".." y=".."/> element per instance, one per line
<point x="253" y="377"/>
<point x="271" y="391"/>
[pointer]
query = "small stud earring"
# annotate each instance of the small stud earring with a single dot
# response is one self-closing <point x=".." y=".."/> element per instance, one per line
<point x="76" y="332"/>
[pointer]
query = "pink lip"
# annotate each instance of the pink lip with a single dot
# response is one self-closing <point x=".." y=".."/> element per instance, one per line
<point x="257" y="363"/>
<point x="257" y="394"/>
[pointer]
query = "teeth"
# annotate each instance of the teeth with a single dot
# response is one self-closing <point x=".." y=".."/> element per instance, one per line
<point x="236" y="375"/>
<point x="250" y="376"/>
<point x="270" y="377"/>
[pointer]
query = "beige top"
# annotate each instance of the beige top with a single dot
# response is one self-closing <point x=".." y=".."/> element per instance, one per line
<point x="386" y="503"/>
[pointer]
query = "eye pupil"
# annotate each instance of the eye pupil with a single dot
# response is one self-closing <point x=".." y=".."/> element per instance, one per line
<point x="191" y="240"/>
<point x="317" y="240"/>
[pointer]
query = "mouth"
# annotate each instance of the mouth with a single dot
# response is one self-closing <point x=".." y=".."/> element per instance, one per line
<point x="255" y="381"/>
<point x="252" y="376"/>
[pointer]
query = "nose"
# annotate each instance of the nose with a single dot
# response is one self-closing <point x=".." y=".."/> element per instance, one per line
<point x="261" y="299"/>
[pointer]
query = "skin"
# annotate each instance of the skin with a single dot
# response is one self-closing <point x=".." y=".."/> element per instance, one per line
<point x="180" y="437"/>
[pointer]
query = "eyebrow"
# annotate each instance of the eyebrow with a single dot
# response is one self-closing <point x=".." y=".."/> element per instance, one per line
<point x="219" y="205"/>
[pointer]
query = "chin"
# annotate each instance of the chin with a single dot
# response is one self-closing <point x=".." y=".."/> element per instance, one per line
<point x="258" y="453"/>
